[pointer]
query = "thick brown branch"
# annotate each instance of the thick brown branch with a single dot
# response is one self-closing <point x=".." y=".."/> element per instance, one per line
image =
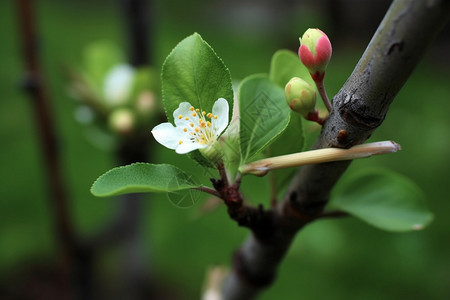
<point x="358" y="109"/>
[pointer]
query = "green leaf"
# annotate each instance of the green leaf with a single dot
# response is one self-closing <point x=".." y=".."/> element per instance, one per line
<point x="142" y="178"/>
<point x="99" y="58"/>
<point x="285" y="64"/>
<point x="264" y="114"/>
<point x="231" y="148"/>
<point x="194" y="73"/>
<point x="290" y="141"/>
<point x="383" y="199"/>
<point x="145" y="79"/>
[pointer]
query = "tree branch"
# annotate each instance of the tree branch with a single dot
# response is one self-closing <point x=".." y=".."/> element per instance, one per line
<point x="35" y="86"/>
<point x="358" y="109"/>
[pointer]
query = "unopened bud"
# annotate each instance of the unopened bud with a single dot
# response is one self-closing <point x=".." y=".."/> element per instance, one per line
<point x="122" y="121"/>
<point x="315" y="52"/>
<point x="300" y="96"/>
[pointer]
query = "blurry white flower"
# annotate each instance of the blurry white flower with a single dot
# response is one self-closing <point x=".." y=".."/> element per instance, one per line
<point x="118" y="83"/>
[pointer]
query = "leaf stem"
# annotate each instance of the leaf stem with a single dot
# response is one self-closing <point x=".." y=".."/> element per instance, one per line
<point x="208" y="190"/>
<point x="323" y="93"/>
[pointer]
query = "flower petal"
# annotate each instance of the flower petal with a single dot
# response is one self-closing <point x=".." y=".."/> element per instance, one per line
<point x="220" y="109"/>
<point x="167" y="135"/>
<point x="184" y="111"/>
<point x="188" y="146"/>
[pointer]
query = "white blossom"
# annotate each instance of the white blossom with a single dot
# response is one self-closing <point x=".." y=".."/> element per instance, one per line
<point x="194" y="129"/>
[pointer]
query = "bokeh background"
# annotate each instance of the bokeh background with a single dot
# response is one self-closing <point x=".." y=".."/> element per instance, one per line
<point x="333" y="259"/>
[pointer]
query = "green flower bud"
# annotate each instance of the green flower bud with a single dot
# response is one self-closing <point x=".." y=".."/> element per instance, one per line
<point x="300" y="96"/>
<point x="122" y="121"/>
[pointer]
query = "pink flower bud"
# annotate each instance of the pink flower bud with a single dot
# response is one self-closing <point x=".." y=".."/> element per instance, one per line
<point x="300" y="96"/>
<point x="315" y="52"/>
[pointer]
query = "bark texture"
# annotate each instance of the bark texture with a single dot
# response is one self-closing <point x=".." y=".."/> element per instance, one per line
<point x="358" y="109"/>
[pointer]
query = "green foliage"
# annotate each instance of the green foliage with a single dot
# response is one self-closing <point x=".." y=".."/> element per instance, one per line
<point x="292" y="140"/>
<point x="194" y="73"/>
<point x="285" y="64"/>
<point x="99" y="58"/>
<point x="145" y="78"/>
<point x="420" y="258"/>
<point x="263" y="114"/>
<point x="383" y="199"/>
<point x="141" y="178"/>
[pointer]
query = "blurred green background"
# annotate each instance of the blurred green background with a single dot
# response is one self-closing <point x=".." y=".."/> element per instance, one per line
<point x="333" y="259"/>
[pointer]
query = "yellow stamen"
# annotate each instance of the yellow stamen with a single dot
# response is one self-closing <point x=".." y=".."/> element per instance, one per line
<point x="185" y="130"/>
<point x="197" y="110"/>
<point x="197" y="129"/>
<point x="180" y="142"/>
<point x="208" y="123"/>
<point x="191" y="108"/>
<point x="203" y="112"/>
<point x="180" y="117"/>
<point x="194" y="114"/>
<point x="202" y="125"/>
<point x="186" y="118"/>
<point x="215" y="117"/>
<point x="191" y="124"/>
<point x="210" y="115"/>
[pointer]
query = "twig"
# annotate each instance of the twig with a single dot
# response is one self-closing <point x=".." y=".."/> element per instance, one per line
<point x="35" y="86"/>
<point x="223" y="174"/>
<point x="209" y="191"/>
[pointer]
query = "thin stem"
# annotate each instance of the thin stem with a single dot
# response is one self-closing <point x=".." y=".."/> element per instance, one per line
<point x="323" y="93"/>
<point x="314" y="117"/>
<point x="223" y="175"/>
<point x="208" y="190"/>
<point x="237" y="180"/>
